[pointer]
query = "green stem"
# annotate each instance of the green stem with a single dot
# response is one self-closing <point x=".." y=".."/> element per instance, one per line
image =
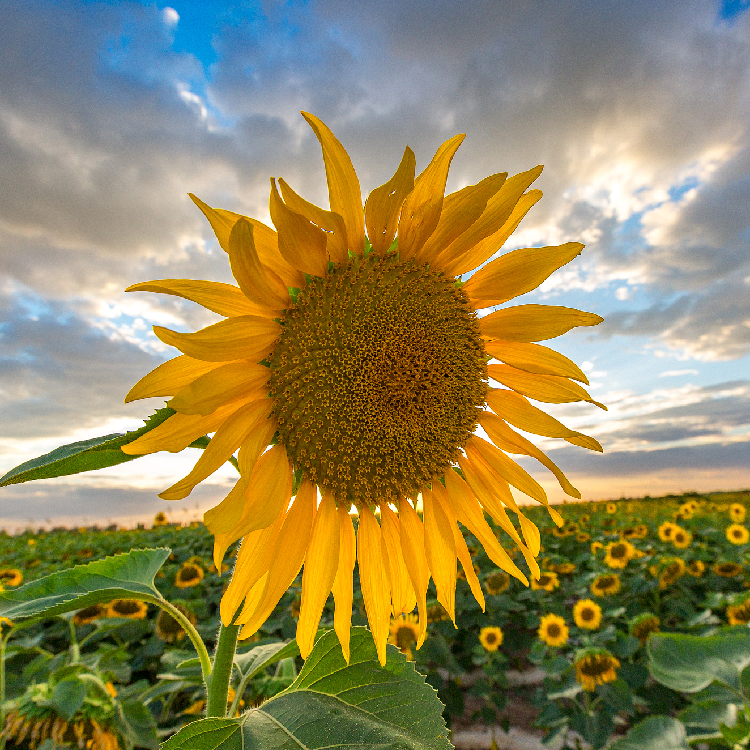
<point x="240" y="692"/>
<point x="218" y="683"/>
<point x="75" y="651"/>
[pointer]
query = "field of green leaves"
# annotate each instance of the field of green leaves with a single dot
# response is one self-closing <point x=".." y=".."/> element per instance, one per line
<point x="617" y="579"/>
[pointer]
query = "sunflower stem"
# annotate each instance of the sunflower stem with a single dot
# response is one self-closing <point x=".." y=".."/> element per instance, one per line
<point x="218" y="683"/>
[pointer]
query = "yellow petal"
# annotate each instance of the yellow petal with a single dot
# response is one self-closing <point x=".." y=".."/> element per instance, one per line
<point x="514" y="408"/>
<point x="460" y="210"/>
<point x="288" y="555"/>
<point x="243" y="337"/>
<point x="462" y="552"/>
<point x="179" y="430"/>
<point x="258" y="283"/>
<point x="373" y="580"/>
<point x="301" y="243"/>
<point x="440" y="550"/>
<point x="550" y="389"/>
<point x="534" y="358"/>
<point x="487" y="234"/>
<point x="517" y="272"/>
<point x="321" y="562"/>
<point x="344" y="192"/>
<point x="469" y="512"/>
<point x="266" y="241"/>
<point x="169" y="378"/>
<point x="403" y="598"/>
<point x="221" y="385"/>
<point x="383" y="205"/>
<point x="412" y="547"/>
<point x="224" y="299"/>
<point x="225" y="516"/>
<point x="343" y="584"/>
<point x="527" y="323"/>
<point x="227" y="439"/>
<point x="332" y="223"/>
<point x="509" y="440"/>
<point x="421" y="208"/>
<point x="509" y="470"/>
<point x="531" y="534"/>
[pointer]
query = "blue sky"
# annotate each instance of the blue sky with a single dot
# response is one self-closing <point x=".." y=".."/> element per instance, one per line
<point x="111" y="112"/>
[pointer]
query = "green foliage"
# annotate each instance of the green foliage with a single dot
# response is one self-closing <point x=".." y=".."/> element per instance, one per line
<point x="655" y="733"/>
<point x="331" y="703"/>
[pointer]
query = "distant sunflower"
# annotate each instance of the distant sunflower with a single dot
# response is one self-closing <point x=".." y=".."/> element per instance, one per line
<point x="404" y="632"/>
<point x="362" y="360"/>
<point x="11" y="577"/>
<point x="681" y="538"/>
<point x="36" y="728"/>
<point x="606" y="585"/>
<point x="737" y="512"/>
<point x="595" y="666"/>
<point x="582" y="536"/>
<point x="89" y="614"/>
<point x="670" y="570"/>
<point x="552" y="630"/>
<point x="611" y="508"/>
<point x="587" y="614"/>
<point x="695" y="568"/>
<point x="491" y="638"/>
<point x="642" y="625"/>
<point x="564" y="569"/>
<point x="738" y="612"/>
<point x="132" y="609"/>
<point x="170" y="630"/>
<point x="596" y="546"/>
<point x="188" y="575"/>
<point x="547" y="581"/>
<point x="496" y="583"/>
<point x="665" y="531"/>
<point x="436" y="613"/>
<point x="618" y="554"/>
<point x="160" y="519"/>
<point x="736" y="534"/>
<point x="727" y="569"/>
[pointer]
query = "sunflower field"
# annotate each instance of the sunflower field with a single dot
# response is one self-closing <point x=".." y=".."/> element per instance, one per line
<point x="623" y="587"/>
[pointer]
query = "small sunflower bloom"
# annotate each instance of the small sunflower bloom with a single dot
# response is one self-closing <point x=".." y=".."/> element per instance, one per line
<point x="618" y="554"/>
<point x="160" y="519"/>
<point x="491" y="638"/>
<point x="665" y="530"/>
<point x="89" y="614"/>
<point x="611" y="508"/>
<point x="11" y="577"/>
<point x="547" y="581"/>
<point x="670" y="570"/>
<point x="596" y="546"/>
<point x="642" y="625"/>
<point x="738" y="612"/>
<point x="606" y="584"/>
<point x="564" y="569"/>
<point x="404" y="632"/>
<point x="595" y="666"/>
<point x="727" y="569"/>
<point x="736" y="534"/>
<point x="737" y="512"/>
<point x="132" y="609"/>
<point x="587" y="614"/>
<point x="553" y="630"/>
<point x="170" y="630"/>
<point x="695" y="568"/>
<point x="188" y="575"/>
<point x="350" y="346"/>
<point x="496" y="583"/>
<point x="681" y="538"/>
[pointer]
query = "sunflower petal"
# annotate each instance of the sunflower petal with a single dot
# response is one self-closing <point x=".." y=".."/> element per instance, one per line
<point x="219" y="386"/>
<point x="550" y="389"/>
<point x="421" y="209"/>
<point x="258" y="283"/>
<point x="383" y="205"/>
<point x="403" y="598"/>
<point x="372" y="578"/>
<point x="343" y="583"/>
<point x="343" y="186"/>
<point x="224" y="299"/>
<point x="535" y="358"/>
<point x="301" y="243"/>
<point x="440" y="550"/>
<point x="227" y="439"/>
<point x="517" y="272"/>
<point x="412" y="547"/>
<point x="321" y="562"/>
<point x="170" y="377"/>
<point x="526" y="323"/>
<point x="243" y="337"/>
<point x="329" y="221"/>
<point x="288" y="555"/>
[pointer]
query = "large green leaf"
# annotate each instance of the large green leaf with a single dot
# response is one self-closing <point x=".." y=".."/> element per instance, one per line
<point x="655" y="733"/>
<point x="86" y="455"/>
<point x="330" y="704"/>
<point x="703" y="720"/>
<point x="117" y="577"/>
<point x="689" y="663"/>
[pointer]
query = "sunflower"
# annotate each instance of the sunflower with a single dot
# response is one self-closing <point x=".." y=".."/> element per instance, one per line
<point x="88" y="733"/>
<point x="641" y="531"/>
<point x="552" y="630"/>
<point x="736" y="534"/>
<point x="497" y="582"/>
<point x="188" y="575"/>
<point x="738" y="612"/>
<point x="642" y="625"/>
<point x="491" y="638"/>
<point x="737" y="512"/>
<point x="362" y="360"/>
<point x="606" y="585"/>
<point x="596" y="546"/>
<point x="617" y="554"/>
<point x="547" y="581"/>
<point x="665" y="530"/>
<point x="170" y="630"/>
<point x="582" y="536"/>
<point x="610" y="508"/>
<point x="89" y="614"/>
<point x="436" y="613"/>
<point x="595" y="666"/>
<point x="681" y="538"/>
<point x="695" y="568"/>
<point x="11" y="577"/>
<point x="404" y="631"/>
<point x="587" y="614"/>
<point x="670" y="569"/>
<point x="727" y="569"/>
<point x="132" y="609"/>
<point x="160" y="519"/>
<point x="564" y="569"/>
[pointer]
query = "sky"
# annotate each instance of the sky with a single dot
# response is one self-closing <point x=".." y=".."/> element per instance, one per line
<point x="111" y="112"/>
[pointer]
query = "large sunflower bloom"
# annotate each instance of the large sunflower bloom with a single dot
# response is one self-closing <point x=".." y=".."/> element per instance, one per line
<point x="362" y="360"/>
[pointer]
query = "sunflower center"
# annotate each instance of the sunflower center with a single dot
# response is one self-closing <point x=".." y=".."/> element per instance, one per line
<point x="595" y="666"/>
<point x="587" y="614"/>
<point x="405" y="637"/>
<point x="553" y="630"/>
<point x="378" y="378"/>
<point x="127" y="607"/>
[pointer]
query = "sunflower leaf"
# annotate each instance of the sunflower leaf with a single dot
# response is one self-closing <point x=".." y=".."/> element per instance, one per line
<point x="332" y="704"/>
<point x="258" y="658"/>
<point x="125" y="576"/>
<point x="655" y="733"/>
